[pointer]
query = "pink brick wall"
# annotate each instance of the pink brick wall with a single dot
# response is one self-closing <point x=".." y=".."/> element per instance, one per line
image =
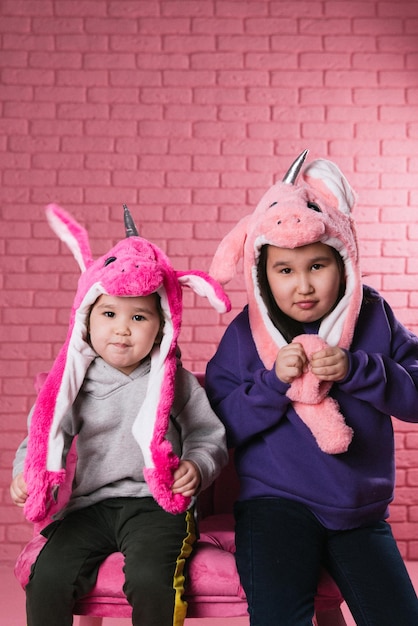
<point x="187" y="111"/>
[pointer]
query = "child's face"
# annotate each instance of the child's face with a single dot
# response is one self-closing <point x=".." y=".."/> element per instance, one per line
<point x="123" y="331"/>
<point x="304" y="281"/>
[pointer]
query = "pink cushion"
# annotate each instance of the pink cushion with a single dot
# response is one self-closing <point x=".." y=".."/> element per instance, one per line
<point x="213" y="588"/>
<point x="219" y="531"/>
<point x="213" y="578"/>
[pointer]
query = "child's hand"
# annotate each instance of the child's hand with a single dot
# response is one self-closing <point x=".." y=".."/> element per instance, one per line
<point x="18" y="490"/>
<point x="330" y="364"/>
<point x="186" y="479"/>
<point x="291" y="362"/>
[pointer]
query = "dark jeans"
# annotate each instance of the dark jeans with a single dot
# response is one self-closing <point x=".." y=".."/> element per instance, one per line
<point x="281" y="547"/>
<point x="155" y="545"/>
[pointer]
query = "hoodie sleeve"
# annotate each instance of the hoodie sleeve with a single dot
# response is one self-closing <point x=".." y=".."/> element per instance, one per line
<point x="202" y="434"/>
<point x="19" y="459"/>
<point x="20" y="456"/>
<point x="248" y="398"/>
<point x="383" y="363"/>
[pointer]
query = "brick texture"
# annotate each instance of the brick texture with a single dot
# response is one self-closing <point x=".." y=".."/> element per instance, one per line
<point x="187" y="111"/>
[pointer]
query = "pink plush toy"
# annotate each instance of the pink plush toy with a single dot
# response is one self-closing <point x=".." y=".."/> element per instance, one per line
<point x="134" y="267"/>
<point x="313" y="405"/>
<point x="291" y="215"/>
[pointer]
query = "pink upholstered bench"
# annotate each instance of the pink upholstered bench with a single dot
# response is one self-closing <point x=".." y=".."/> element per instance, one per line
<point x="213" y="588"/>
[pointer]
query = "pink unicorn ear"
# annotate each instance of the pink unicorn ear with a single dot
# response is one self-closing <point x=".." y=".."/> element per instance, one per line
<point x="202" y="284"/>
<point x="330" y="182"/>
<point x="231" y="249"/>
<point x="71" y="233"/>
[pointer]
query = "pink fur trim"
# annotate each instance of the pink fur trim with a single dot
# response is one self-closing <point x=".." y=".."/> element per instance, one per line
<point x="327" y="425"/>
<point x="160" y="487"/>
<point x="40" y="481"/>
<point x="41" y="493"/>
<point x="319" y="412"/>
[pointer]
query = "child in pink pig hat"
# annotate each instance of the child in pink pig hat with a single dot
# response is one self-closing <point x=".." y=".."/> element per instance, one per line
<point x="306" y="379"/>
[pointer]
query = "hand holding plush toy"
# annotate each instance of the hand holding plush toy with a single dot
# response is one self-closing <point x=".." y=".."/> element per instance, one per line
<point x="314" y="406"/>
<point x="292" y="215"/>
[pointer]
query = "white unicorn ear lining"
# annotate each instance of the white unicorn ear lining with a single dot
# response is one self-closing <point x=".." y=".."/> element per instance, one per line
<point x="327" y="178"/>
<point x="333" y="183"/>
<point x="71" y="233"/>
<point x="203" y="285"/>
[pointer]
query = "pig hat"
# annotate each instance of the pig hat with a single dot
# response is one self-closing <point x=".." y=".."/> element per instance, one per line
<point x="290" y="215"/>
<point x="133" y="267"/>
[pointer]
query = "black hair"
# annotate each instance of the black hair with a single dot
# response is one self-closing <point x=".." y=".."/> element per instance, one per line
<point x="287" y="326"/>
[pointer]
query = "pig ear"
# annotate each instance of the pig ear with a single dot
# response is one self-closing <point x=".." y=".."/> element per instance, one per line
<point x="230" y="250"/>
<point x="205" y="286"/>
<point x="330" y="182"/>
<point x="71" y="233"/>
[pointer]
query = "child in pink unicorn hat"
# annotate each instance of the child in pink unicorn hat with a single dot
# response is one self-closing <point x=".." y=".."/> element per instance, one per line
<point x="306" y="379"/>
<point x="147" y="440"/>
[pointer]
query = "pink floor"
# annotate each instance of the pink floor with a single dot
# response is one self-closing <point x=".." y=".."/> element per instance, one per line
<point x="12" y="605"/>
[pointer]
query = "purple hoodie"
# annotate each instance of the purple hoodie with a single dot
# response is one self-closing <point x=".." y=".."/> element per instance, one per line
<point x="276" y="454"/>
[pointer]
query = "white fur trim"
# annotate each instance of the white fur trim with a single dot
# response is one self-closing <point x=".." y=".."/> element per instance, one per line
<point x="144" y="424"/>
<point x="66" y="236"/>
<point x="79" y="357"/>
<point x="332" y="326"/>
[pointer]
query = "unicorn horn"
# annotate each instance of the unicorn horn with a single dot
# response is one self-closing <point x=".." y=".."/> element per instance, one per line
<point x="293" y="172"/>
<point x="130" y="228"/>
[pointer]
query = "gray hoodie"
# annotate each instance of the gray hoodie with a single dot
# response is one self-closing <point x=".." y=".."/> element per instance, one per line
<point x="109" y="460"/>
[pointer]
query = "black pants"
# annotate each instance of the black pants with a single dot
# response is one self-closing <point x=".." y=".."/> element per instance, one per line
<point x="154" y="543"/>
<point x="280" y="548"/>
